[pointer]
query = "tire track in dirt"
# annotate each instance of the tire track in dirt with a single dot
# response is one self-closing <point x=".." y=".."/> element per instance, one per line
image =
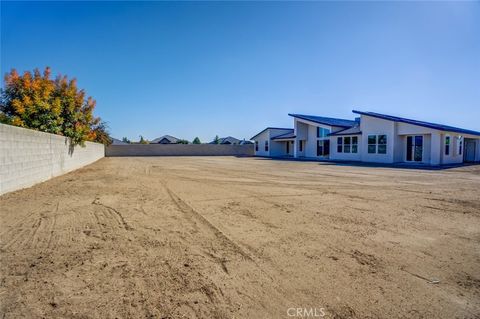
<point x="224" y="240"/>
<point x="193" y="214"/>
<point x="113" y="211"/>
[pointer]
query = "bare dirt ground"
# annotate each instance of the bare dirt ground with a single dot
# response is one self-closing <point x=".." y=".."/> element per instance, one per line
<point x="222" y="237"/>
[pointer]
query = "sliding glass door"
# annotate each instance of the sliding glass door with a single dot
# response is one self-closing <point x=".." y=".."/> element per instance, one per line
<point x="323" y="147"/>
<point x="414" y="148"/>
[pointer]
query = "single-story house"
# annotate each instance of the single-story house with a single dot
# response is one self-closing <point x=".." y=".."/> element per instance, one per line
<point x="371" y="137"/>
<point x="227" y="140"/>
<point x="165" y="139"/>
<point x="116" y="141"/>
<point x="245" y="142"/>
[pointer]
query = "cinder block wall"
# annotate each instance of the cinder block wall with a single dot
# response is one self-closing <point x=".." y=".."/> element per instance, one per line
<point x="179" y="150"/>
<point x="28" y="157"/>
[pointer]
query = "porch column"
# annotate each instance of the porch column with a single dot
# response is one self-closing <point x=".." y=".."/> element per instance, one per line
<point x="295" y="148"/>
<point x="295" y="141"/>
<point x="435" y="149"/>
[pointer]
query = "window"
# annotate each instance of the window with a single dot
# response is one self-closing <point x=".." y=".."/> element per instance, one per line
<point x="300" y="146"/>
<point x="346" y="144"/>
<point x="256" y="146"/>
<point x="354" y="144"/>
<point x="322" y="132"/>
<point x="372" y="144"/>
<point x="377" y="144"/>
<point x="266" y="146"/>
<point x="323" y="147"/>
<point x="382" y="144"/>
<point x="447" y="145"/>
<point x="459" y="145"/>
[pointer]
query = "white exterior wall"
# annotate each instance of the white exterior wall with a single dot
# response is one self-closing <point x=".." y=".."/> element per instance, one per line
<point x="311" y="142"/>
<point x="453" y="157"/>
<point x="435" y="148"/>
<point x="28" y="157"/>
<point x="344" y="156"/>
<point x="399" y="148"/>
<point x="375" y="126"/>
<point x="301" y="133"/>
<point x="307" y="131"/>
<point x="274" y="148"/>
<point x="431" y="143"/>
<point x="261" y="138"/>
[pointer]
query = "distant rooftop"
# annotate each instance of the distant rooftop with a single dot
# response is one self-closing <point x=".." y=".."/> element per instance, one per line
<point x="116" y="141"/>
<point x="165" y="139"/>
<point x="227" y="140"/>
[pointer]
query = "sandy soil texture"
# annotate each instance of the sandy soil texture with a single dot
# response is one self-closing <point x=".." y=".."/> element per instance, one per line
<point x="224" y="237"/>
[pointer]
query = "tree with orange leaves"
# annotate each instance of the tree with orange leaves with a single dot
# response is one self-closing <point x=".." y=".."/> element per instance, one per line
<point x="55" y="106"/>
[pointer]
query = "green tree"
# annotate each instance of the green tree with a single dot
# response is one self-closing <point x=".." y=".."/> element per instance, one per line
<point x="182" y="141"/>
<point x="142" y="140"/>
<point x="101" y="133"/>
<point x="126" y="140"/>
<point x="34" y="100"/>
<point x="216" y="140"/>
<point x="196" y="140"/>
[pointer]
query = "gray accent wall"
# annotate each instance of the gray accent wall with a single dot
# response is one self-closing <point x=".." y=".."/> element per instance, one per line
<point x="180" y="150"/>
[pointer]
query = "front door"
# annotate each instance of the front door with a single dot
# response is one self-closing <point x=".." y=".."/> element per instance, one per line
<point x="288" y="147"/>
<point x="469" y="151"/>
<point x="414" y="148"/>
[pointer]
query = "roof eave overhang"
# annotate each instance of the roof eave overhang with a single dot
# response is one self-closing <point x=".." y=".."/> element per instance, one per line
<point x="270" y="128"/>
<point x="344" y="134"/>
<point x="283" y="139"/>
<point x="433" y="127"/>
<point x="317" y="122"/>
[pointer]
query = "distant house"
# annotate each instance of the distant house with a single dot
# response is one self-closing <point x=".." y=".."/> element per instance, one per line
<point x="245" y="142"/>
<point x="116" y="141"/>
<point x="227" y="140"/>
<point x="165" y="139"/>
<point x="372" y="137"/>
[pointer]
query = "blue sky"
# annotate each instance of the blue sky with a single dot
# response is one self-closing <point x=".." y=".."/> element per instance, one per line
<point x="232" y="68"/>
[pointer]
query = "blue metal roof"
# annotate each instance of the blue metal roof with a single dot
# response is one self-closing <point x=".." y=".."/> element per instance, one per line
<point x="434" y="126"/>
<point x="325" y="120"/>
<point x="271" y="128"/>
<point x="288" y="135"/>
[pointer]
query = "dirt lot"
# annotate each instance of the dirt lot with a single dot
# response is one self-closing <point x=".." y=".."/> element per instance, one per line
<point x="220" y="237"/>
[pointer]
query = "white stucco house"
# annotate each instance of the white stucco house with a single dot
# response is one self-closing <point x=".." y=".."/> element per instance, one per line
<point x="226" y="140"/>
<point x="371" y="137"/>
